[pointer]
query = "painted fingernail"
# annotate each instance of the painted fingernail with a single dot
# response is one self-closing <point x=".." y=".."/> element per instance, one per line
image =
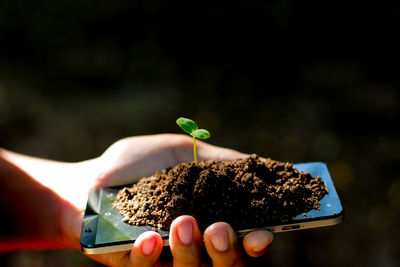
<point x="148" y="246"/>
<point x="185" y="233"/>
<point x="220" y="240"/>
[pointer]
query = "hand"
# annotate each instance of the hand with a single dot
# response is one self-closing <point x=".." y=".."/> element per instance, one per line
<point x="63" y="187"/>
<point x="185" y="239"/>
<point x="133" y="158"/>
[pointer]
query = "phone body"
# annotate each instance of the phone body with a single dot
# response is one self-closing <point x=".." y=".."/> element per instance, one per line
<point x="103" y="230"/>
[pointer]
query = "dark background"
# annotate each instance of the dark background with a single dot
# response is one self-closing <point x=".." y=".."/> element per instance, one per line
<point x="300" y="82"/>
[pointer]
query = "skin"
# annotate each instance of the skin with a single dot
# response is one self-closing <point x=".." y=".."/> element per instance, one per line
<point x="63" y="188"/>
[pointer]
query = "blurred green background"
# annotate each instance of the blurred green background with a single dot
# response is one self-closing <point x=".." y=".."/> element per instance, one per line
<point x="284" y="79"/>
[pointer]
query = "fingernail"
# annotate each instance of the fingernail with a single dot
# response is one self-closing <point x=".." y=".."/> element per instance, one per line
<point x="185" y="233"/>
<point x="260" y="247"/>
<point x="148" y="246"/>
<point x="260" y="241"/>
<point x="220" y="240"/>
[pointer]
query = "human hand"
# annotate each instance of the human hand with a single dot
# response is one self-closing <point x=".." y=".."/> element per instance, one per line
<point x="54" y="194"/>
<point x="185" y="240"/>
<point x="132" y="158"/>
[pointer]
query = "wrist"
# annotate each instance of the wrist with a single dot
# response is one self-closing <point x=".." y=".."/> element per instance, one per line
<point x="50" y="198"/>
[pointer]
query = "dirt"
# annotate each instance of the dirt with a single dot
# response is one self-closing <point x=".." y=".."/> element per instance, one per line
<point x="246" y="193"/>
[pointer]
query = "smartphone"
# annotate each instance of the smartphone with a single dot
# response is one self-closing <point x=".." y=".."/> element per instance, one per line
<point x="103" y="230"/>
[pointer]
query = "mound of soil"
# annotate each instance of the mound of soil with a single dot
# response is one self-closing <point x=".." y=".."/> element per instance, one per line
<point x="246" y="193"/>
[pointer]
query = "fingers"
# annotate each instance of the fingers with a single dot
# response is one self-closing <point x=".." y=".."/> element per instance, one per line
<point x="146" y="250"/>
<point x="257" y="243"/>
<point x="222" y="245"/>
<point x="185" y="241"/>
<point x="207" y="151"/>
<point x="181" y="147"/>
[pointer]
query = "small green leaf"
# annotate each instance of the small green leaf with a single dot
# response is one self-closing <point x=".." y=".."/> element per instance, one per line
<point x="201" y="134"/>
<point x="187" y="124"/>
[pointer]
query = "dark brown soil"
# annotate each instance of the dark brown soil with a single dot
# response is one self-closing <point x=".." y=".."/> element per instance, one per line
<point x="246" y="193"/>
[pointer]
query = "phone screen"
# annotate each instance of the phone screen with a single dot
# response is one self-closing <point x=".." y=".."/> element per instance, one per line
<point x="104" y="231"/>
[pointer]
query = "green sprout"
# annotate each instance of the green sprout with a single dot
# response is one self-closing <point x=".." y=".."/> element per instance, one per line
<point x="191" y="128"/>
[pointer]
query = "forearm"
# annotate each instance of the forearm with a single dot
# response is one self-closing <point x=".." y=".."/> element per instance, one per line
<point x="43" y="201"/>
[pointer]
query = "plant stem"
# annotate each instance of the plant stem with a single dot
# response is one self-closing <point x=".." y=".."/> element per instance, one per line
<point x="194" y="151"/>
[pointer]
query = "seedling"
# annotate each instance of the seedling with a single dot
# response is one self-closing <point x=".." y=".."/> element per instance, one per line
<point x="191" y="128"/>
